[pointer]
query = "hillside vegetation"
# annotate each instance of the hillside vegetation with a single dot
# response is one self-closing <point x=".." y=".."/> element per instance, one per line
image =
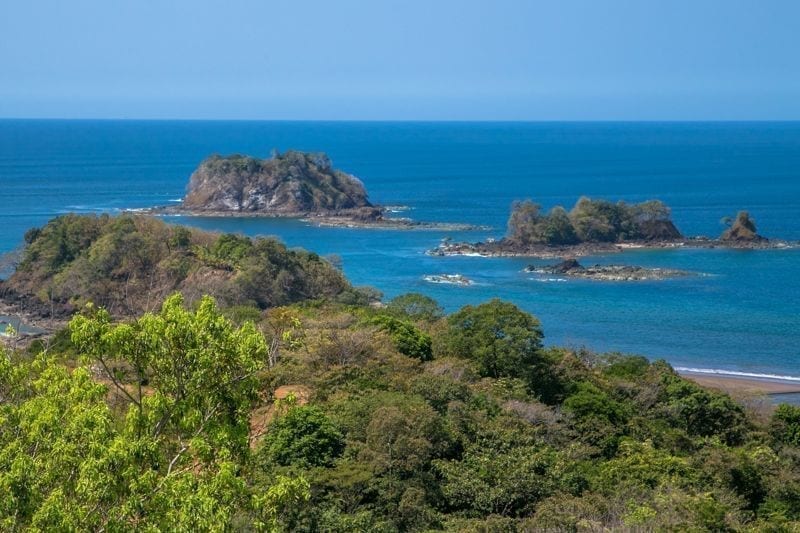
<point x="590" y="221"/>
<point x="129" y="264"/>
<point x="285" y="403"/>
<point x="405" y="420"/>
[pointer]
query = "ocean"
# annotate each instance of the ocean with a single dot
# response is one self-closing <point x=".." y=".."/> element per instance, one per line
<point x="739" y="316"/>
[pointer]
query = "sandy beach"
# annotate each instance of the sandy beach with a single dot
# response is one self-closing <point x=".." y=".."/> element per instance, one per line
<point x="734" y="384"/>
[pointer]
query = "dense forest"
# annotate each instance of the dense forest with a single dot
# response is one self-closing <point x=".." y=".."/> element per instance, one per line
<point x="317" y="411"/>
<point x="590" y="221"/>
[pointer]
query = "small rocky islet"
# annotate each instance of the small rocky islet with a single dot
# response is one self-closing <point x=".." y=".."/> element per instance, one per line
<point x="573" y="269"/>
<point x="292" y="184"/>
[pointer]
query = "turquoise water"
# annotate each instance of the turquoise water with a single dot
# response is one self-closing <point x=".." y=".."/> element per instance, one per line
<point x="740" y="315"/>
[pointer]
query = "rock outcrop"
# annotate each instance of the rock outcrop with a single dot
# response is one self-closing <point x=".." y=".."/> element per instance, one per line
<point x="572" y="268"/>
<point x="743" y="229"/>
<point x="292" y="183"/>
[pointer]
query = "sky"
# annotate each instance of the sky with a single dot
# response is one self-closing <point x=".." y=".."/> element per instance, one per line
<point x="401" y="60"/>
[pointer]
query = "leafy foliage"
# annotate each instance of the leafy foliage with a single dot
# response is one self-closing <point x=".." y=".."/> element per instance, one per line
<point x="405" y="336"/>
<point x="303" y="436"/>
<point x="167" y="422"/>
<point x="590" y="221"/>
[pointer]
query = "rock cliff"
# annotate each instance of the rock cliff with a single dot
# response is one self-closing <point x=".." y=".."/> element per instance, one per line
<point x="292" y="183"/>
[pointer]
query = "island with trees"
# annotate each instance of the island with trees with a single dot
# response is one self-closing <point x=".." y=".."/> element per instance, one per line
<point x="292" y="184"/>
<point x="597" y="226"/>
<point x="290" y="401"/>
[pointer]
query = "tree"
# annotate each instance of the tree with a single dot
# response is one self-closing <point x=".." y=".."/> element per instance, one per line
<point x="557" y="227"/>
<point x="523" y="223"/>
<point x="185" y="381"/>
<point x="405" y="336"/>
<point x="303" y="436"/>
<point x="504" y="341"/>
<point x="785" y="424"/>
<point x="416" y="307"/>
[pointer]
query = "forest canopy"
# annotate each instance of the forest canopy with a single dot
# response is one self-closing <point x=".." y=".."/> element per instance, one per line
<point x="590" y="221"/>
<point x="326" y="417"/>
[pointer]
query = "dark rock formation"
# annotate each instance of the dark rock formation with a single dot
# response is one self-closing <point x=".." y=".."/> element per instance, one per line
<point x="292" y="183"/>
<point x="743" y="229"/>
<point x="572" y="268"/>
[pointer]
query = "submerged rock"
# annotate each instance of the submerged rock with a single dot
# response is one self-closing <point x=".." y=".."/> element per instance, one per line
<point x="572" y="268"/>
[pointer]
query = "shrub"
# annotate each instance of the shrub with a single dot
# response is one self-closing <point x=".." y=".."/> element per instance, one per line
<point x="304" y="436"/>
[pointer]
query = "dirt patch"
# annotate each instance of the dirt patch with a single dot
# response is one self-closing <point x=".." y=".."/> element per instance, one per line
<point x="262" y="416"/>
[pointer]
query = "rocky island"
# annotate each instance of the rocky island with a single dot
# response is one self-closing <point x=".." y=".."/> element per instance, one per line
<point x="292" y="184"/>
<point x="599" y="227"/>
<point x="573" y="269"/>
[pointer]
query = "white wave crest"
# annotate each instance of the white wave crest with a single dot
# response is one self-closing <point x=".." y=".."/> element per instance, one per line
<point x="735" y="374"/>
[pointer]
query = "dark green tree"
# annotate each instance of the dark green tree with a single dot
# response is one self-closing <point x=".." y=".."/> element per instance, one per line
<point x="303" y="436"/>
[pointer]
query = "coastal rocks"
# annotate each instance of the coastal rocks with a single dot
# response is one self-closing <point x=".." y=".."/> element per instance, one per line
<point x="449" y="279"/>
<point x="507" y="248"/>
<point x="742" y="230"/>
<point x="572" y="268"/>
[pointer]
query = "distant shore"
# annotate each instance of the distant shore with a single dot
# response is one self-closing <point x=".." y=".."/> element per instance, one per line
<point x="742" y="384"/>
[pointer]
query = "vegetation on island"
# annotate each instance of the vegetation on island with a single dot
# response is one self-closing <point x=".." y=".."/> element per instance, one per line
<point x="312" y="410"/>
<point x="288" y="183"/>
<point x="590" y="221"/>
<point x="129" y="264"/>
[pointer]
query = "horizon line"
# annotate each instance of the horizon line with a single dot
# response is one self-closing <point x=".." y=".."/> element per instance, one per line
<point x="394" y="120"/>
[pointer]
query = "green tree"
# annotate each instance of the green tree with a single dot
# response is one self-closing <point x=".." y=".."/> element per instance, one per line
<point x="303" y="436"/>
<point x="523" y="224"/>
<point x="505" y="342"/>
<point x="405" y="336"/>
<point x="416" y="307"/>
<point x="785" y="424"/>
<point x="557" y="227"/>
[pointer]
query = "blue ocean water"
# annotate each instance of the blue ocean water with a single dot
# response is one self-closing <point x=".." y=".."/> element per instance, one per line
<point x="740" y="316"/>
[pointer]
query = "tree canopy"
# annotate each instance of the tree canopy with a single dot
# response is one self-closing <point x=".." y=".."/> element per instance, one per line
<point x="590" y="221"/>
<point x="330" y="416"/>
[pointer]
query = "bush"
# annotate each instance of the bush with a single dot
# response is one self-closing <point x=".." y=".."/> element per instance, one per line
<point x="304" y="436"/>
<point x="406" y="338"/>
<point x="785" y="424"/>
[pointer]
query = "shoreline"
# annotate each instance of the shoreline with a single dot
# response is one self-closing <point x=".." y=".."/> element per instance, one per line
<point x="329" y="220"/>
<point x="733" y="384"/>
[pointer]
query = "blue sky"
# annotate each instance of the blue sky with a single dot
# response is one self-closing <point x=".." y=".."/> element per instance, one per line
<point x="407" y="60"/>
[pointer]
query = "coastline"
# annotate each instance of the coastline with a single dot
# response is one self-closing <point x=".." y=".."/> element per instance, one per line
<point x="733" y="384"/>
<point x="330" y="220"/>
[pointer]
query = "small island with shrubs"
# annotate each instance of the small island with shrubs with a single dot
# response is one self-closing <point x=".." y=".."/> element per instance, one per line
<point x="292" y="184"/>
<point x="596" y="226"/>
